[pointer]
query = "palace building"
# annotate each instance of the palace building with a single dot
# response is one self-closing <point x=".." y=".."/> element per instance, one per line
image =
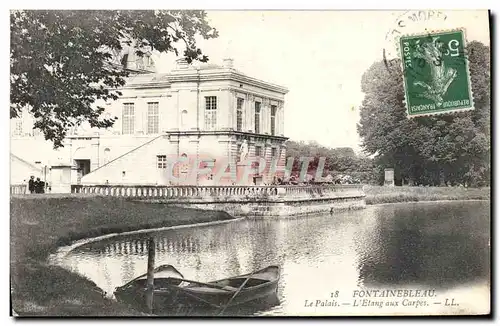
<point x="204" y="112"/>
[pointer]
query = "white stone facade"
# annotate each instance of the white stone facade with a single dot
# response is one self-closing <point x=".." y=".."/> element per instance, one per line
<point x="192" y="110"/>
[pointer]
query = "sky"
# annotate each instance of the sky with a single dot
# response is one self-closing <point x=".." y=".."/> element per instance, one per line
<point x="320" y="57"/>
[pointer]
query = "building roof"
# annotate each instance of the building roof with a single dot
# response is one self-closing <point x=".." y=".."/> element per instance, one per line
<point x="213" y="66"/>
<point x="205" y="66"/>
<point x="196" y="72"/>
<point x="30" y="165"/>
<point x="149" y="79"/>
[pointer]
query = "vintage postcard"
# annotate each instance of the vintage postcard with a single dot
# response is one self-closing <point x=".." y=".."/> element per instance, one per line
<point x="250" y="163"/>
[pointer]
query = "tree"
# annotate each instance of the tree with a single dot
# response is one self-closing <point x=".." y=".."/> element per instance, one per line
<point x="452" y="148"/>
<point x="61" y="61"/>
<point x="344" y="151"/>
<point x="337" y="160"/>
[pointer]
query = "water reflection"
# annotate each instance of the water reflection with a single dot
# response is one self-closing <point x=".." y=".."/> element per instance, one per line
<point x="427" y="244"/>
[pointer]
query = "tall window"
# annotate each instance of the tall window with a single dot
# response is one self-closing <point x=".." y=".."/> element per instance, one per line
<point x="257" y="117"/>
<point x="258" y="151"/>
<point x="210" y="112"/>
<point x="273" y="119"/>
<point x="18" y="127"/>
<point x="258" y="154"/>
<point x="128" y="118"/>
<point x="153" y="117"/>
<point x="161" y="161"/>
<point x="273" y="152"/>
<point x="239" y="114"/>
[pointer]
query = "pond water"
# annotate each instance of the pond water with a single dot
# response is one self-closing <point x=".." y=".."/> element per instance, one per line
<point x="442" y="247"/>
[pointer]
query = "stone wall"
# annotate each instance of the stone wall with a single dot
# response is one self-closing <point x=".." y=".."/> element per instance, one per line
<point x="240" y="201"/>
<point x="284" y="208"/>
<point x="259" y="201"/>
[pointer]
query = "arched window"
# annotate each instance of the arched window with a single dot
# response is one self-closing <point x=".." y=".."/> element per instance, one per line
<point x="184" y="118"/>
<point x="107" y="153"/>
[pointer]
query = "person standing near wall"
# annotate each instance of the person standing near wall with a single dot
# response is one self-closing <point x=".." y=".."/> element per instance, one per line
<point x="39" y="186"/>
<point x="31" y="184"/>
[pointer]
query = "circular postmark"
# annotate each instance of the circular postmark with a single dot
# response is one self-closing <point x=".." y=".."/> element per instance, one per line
<point x="417" y="22"/>
<point x="411" y="22"/>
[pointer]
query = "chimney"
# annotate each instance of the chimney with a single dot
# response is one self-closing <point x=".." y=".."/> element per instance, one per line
<point x="182" y="63"/>
<point x="227" y="63"/>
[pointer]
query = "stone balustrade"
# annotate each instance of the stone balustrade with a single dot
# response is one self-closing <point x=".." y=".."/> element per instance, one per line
<point x="221" y="193"/>
<point x="19" y="189"/>
<point x="241" y="201"/>
<point x="323" y="191"/>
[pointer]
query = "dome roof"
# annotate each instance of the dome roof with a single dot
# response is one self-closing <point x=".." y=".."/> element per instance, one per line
<point x="131" y="61"/>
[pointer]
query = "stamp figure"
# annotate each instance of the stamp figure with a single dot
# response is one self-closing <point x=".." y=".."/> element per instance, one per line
<point x="436" y="73"/>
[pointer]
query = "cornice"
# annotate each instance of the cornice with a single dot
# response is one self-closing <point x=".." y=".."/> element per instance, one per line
<point x="162" y="84"/>
<point x="224" y="132"/>
<point x="251" y="95"/>
<point x="228" y="74"/>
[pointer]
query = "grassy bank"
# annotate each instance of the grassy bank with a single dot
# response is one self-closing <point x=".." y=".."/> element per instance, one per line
<point x="381" y="195"/>
<point x="40" y="224"/>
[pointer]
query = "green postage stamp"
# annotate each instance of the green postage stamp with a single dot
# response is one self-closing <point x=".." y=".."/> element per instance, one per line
<point x="436" y="73"/>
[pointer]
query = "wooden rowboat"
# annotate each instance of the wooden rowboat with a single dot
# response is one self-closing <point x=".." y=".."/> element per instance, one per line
<point x="172" y="290"/>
